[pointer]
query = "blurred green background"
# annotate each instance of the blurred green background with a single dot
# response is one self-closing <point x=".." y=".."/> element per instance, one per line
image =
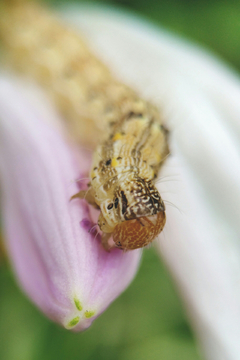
<point x="148" y="320"/>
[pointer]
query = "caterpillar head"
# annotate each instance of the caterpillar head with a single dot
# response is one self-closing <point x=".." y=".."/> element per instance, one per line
<point x="135" y="216"/>
<point x="144" y="213"/>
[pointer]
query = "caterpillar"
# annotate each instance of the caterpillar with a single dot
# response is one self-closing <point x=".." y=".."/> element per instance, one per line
<point x="133" y="141"/>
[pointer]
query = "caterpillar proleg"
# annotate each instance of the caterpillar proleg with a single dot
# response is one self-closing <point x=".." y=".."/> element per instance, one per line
<point x="127" y="132"/>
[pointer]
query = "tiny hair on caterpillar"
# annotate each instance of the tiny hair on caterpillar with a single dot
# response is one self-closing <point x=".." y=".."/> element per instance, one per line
<point x="126" y="131"/>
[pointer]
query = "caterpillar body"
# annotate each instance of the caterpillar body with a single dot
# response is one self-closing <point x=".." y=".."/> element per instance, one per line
<point x="133" y="141"/>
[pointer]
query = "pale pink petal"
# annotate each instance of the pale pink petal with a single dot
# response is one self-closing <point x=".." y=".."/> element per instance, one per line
<point x="59" y="264"/>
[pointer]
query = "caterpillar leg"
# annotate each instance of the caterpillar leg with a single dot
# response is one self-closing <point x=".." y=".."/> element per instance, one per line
<point x="88" y="195"/>
<point x="80" y="195"/>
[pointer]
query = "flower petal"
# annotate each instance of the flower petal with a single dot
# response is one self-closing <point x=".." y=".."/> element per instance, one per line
<point x="60" y="265"/>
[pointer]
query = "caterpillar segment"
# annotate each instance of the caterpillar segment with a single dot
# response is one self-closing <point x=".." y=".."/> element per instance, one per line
<point x="133" y="141"/>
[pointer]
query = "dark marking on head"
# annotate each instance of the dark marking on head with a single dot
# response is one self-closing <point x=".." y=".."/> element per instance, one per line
<point x="95" y="168"/>
<point x="119" y="158"/>
<point x="156" y="201"/>
<point x="124" y="202"/>
<point x="108" y="162"/>
<point x="110" y="206"/>
<point x="116" y="202"/>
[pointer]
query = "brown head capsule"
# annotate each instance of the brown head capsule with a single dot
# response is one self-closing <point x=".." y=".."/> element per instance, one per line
<point x="134" y="234"/>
